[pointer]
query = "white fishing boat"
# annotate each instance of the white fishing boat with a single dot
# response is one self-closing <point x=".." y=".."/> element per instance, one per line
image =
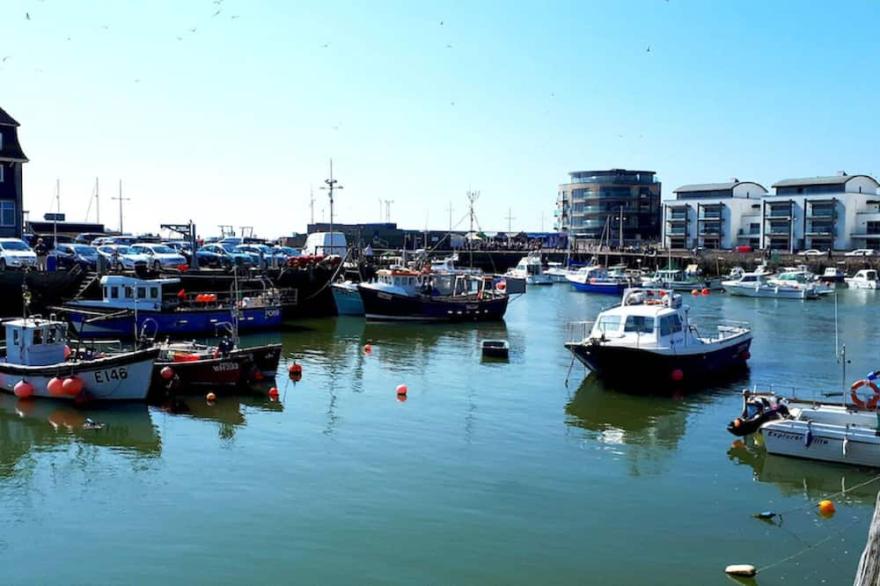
<point x="556" y="272"/>
<point x="864" y="279"/>
<point x="530" y="268"/>
<point x="39" y="363"/>
<point x="677" y="280"/>
<point x="759" y="285"/>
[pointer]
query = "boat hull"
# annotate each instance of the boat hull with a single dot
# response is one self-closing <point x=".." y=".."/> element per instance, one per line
<point x="121" y="377"/>
<point x="602" y="287"/>
<point x="770" y="292"/>
<point x="173" y="323"/>
<point x="348" y="301"/>
<point x="814" y="441"/>
<point x="382" y="305"/>
<point x="629" y="364"/>
<point x="237" y="368"/>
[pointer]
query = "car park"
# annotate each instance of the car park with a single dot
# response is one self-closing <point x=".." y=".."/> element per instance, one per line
<point x="122" y="257"/>
<point x="70" y="255"/>
<point x="812" y="252"/>
<point x="15" y="254"/>
<point x="222" y="256"/>
<point x="160" y="256"/>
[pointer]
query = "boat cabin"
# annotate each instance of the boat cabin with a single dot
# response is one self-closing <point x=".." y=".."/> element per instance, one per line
<point x="645" y="316"/>
<point x="866" y="275"/>
<point x="35" y="342"/>
<point x="123" y="292"/>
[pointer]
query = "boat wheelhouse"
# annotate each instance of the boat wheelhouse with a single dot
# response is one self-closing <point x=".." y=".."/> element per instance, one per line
<point x="530" y="268"/>
<point x="864" y="279"/>
<point x="130" y="306"/>
<point x="650" y="333"/>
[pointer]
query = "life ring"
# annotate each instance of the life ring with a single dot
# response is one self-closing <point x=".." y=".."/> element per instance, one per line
<point x="871" y="404"/>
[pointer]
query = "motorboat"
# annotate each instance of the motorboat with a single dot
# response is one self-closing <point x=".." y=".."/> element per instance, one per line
<point x="800" y="277"/>
<point x="190" y="365"/>
<point x="597" y="279"/>
<point x="347" y="298"/>
<point x="128" y="303"/>
<point x="556" y="272"/>
<point x="681" y="280"/>
<point x="759" y="285"/>
<point x="864" y="279"/>
<point x="39" y="363"/>
<point x="530" y="268"/>
<point x="649" y="335"/>
<point x="843" y="433"/>
<point x="403" y="294"/>
<point x="833" y="275"/>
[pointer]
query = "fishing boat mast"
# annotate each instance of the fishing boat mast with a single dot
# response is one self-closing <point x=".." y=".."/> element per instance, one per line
<point x="332" y="185"/>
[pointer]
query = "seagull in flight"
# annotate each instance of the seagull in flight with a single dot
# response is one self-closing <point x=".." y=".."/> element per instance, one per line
<point x="648" y="50"/>
<point x="27" y="15"/>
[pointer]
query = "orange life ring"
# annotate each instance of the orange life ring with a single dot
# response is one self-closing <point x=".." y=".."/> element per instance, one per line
<point x="871" y="404"/>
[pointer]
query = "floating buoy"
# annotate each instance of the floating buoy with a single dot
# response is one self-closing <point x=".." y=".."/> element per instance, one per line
<point x="695" y="292"/>
<point x="826" y="508"/>
<point x="746" y="570"/>
<point x="55" y="386"/>
<point x="401" y="398"/>
<point x="257" y="375"/>
<point x="295" y="369"/>
<point x="72" y="386"/>
<point x="23" y="389"/>
<point x="705" y="291"/>
<point x="210" y="397"/>
<point x="167" y="373"/>
<point x="401" y="390"/>
<point x="67" y="351"/>
<point x="273" y="393"/>
<point x="368" y="348"/>
<point x="677" y="375"/>
<point x="662" y="293"/>
<point x="738" y="444"/>
<point x="738" y="422"/>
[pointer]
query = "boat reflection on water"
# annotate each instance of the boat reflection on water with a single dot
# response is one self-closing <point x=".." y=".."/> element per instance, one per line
<point x="812" y="479"/>
<point x="41" y="424"/>
<point x="229" y="411"/>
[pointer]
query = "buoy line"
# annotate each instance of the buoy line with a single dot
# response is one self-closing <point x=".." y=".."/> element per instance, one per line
<point x="831" y="496"/>
<point x="808" y="548"/>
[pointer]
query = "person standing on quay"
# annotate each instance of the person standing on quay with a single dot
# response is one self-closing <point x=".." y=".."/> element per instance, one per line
<point x="42" y="252"/>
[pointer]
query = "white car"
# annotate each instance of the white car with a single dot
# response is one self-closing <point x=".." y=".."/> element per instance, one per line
<point x="160" y="256"/>
<point x="15" y="254"/>
<point x="812" y="252"/>
<point x="860" y="252"/>
<point x="120" y="255"/>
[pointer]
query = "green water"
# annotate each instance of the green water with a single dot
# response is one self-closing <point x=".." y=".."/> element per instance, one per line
<point x="490" y="473"/>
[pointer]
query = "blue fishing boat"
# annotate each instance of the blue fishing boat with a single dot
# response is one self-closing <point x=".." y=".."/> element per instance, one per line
<point x="596" y="279"/>
<point x="130" y="306"/>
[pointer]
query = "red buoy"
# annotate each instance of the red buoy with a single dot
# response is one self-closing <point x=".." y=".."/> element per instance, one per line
<point x="295" y="369"/>
<point x="401" y="390"/>
<point x="677" y="375"/>
<point x="23" y="389"/>
<point x="55" y="386"/>
<point x="368" y="348"/>
<point x="705" y="291"/>
<point x="167" y="373"/>
<point x="72" y="386"/>
<point x="273" y="393"/>
<point x="210" y="397"/>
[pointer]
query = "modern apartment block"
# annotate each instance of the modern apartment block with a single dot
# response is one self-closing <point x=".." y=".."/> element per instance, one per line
<point x="838" y="212"/>
<point x="614" y="202"/>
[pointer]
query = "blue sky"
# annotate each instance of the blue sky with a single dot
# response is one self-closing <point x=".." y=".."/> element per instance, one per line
<point x="232" y="123"/>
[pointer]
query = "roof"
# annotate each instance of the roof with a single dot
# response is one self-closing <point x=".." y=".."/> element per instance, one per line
<point x="6" y="119"/>
<point x="713" y="186"/>
<point x="832" y="180"/>
<point x="610" y="171"/>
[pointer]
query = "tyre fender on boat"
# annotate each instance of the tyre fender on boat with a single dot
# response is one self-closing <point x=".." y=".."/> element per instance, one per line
<point x="871" y="403"/>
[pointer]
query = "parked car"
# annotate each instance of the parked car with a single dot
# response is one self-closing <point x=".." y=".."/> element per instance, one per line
<point x="160" y="256"/>
<point x="123" y="239"/>
<point x="120" y="256"/>
<point x="15" y="254"/>
<point x="69" y="255"/>
<point x="812" y="252"/>
<point x="222" y="256"/>
<point x="287" y="251"/>
<point x="861" y="252"/>
<point x="88" y="237"/>
<point x="181" y="247"/>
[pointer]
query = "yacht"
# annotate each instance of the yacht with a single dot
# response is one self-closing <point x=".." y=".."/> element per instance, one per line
<point x="596" y="279"/>
<point x="649" y="337"/>
<point x="864" y="279"/>
<point x="530" y="268"/>
<point x="759" y="285"/>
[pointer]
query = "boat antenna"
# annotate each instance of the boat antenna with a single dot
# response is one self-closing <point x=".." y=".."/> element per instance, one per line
<point x="332" y="185"/>
<point x="472" y="197"/>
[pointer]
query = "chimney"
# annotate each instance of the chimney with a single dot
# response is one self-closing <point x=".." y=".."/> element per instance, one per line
<point x="841" y="173"/>
<point x="734" y="180"/>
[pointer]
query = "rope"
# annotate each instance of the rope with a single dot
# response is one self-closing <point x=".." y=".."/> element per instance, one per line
<point x="808" y="548"/>
<point x="831" y="496"/>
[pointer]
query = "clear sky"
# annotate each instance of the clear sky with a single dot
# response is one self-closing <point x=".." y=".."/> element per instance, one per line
<point x="229" y="119"/>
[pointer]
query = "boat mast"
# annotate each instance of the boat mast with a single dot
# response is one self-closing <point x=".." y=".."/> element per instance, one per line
<point x="332" y="185"/>
<point x="472" y="196"/>
<point x="57" y="211"/>
<point x="121" y="199"/>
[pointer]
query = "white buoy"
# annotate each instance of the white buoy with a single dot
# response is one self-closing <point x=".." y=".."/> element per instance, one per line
<point x="746" y="570"/>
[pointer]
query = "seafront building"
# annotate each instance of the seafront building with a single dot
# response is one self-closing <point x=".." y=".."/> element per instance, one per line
<point x="839" y="212"/>
<point x="614" y="202"/>
<point x="11" y="161"/>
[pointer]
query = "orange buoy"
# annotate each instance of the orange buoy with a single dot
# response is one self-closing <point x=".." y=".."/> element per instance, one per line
<point x="677" y="375"/>
<point x="55" y="386"/>
<point x="368" y="348"/>
<point x="167" y="373"/>
<point x="210" y="397"/>
<point x="23" y="389"/>
<point x="705" y="291"/>
<point x="295" y="369"/>
<point x="401" y="390"/>
<point x="826" y="508"/>
<point x="695" y="292"/>
<point x="72" y="386"/>
<point x="273" y="393"/>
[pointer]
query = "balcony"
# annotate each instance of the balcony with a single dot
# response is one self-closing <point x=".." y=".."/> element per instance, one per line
<point x="709" y="218"/>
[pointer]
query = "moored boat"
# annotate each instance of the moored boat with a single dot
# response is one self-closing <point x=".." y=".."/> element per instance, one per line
<point x="39" y="363"/>
<point x="864" y="279"/>
<point x="681" y="280"/>
<point x="192" y="365"/>
<point x="596" y="279"/>
<point x="530" y="268"/>
<point x="649" y="335"/>
<point x="347" y="298"/>
<point x="758" y="285"/>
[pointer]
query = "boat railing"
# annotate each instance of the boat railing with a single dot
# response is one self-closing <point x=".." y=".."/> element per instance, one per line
<point x="732" y="325"/>
<point x="578" y="331"/>
<point x="794" y="393"/>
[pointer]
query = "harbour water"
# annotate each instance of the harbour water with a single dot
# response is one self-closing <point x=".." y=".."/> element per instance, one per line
<point x="489" y="473"/>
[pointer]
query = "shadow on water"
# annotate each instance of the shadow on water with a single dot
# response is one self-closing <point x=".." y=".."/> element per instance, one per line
<point x="228" y="411"/>
<point x="795" y="476"/>
<point x="40" y="424"/>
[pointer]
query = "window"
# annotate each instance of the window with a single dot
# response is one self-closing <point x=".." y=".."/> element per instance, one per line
<point x="639" y="324"/>
<point x="7" y="212"/>
<point x="154" y="292"/>
<point x="129" y="292"/>
<point x="609" y="323"/>
<point x="2" y="168"/>
<point x="38" y="337"/>
<point x="671" y="324"/>
<point x="114" y="292"/>
<point x="142" y="292"/>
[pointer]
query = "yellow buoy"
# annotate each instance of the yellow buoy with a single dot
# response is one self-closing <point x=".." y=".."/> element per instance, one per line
<point x="746" y="570"/>
<point x="826" y="508"/>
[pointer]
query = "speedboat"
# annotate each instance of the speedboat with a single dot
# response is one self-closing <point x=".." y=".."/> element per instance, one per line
<point x="649" y="336"/>
<point x="833" y="275"/>
<point x="800" y="278"/>
<point x="402" y="294"/>
<point x="864" y="279"/>
<point x="530" y="268"/>
<point x="347" y="298"/>
<point x="557" y="272"/>
<point x="842" y="433"/>
<point x="677" y="280"/>
<point x="596" y="279"/>
<point x="758" y="285"/>
<point x="39" y="363"/>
